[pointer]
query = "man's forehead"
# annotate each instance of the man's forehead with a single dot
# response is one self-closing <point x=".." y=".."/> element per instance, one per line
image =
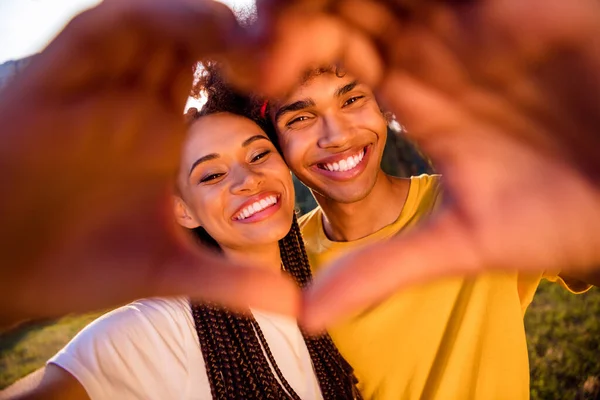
<point x="309" y="81"/>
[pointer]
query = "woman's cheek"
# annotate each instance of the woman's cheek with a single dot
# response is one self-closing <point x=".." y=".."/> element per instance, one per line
<point x="209" y="196"/>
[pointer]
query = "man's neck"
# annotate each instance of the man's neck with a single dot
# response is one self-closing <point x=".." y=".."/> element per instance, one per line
<point x="344" y="222"/>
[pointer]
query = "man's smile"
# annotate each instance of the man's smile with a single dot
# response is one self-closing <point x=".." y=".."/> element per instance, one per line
<point x="344" y="165"/>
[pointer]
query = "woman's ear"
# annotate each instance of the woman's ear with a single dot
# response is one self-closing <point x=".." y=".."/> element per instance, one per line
<point x="183" y="215"/>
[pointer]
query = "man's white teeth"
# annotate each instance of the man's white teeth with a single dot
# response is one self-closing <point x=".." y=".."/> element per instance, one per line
<point x="256" y="207"/>
<point x="345" y="165"/>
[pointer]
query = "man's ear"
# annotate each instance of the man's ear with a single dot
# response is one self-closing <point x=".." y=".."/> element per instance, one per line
<point x="183" y="215"/>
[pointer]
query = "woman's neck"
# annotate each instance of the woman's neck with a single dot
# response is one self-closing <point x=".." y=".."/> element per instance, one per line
<point x="265" y="256"/>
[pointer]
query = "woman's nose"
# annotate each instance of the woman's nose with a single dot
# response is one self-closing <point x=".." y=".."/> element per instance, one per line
<point x="247" y="180"/>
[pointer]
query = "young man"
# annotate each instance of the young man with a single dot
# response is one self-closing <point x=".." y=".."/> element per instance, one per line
<point x="457" y="338"/>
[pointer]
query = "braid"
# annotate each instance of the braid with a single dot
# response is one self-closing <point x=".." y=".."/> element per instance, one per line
<point x="234" y="346"/>
<point x="274" y="365"/>
<point x="239" y="362"/>
<point x="336" y="377"/>
<point x="208" y="347"/>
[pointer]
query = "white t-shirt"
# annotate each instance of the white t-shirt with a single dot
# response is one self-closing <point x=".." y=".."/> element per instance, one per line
<point x="149" y="349"/>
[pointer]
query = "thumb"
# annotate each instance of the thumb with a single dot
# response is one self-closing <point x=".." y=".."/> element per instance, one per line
<point x="205" y="275"/>
<point x="437" y="249"/>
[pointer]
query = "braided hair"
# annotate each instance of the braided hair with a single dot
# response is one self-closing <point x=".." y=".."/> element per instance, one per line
<point x="239" y="362"/>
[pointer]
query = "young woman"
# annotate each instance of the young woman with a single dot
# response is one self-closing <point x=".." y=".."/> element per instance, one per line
<point x="235" y="193"/>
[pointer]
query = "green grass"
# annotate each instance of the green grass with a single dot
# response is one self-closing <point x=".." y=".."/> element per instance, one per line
<point x="563" y="335"/>
<point x="27" y="348"/>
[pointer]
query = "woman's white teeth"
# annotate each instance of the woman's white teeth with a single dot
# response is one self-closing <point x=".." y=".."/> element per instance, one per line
<point x="345" y="165"/>
<point x="256" y="207"/>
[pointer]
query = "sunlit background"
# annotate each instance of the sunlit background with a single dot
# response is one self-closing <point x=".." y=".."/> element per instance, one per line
<point x="563" y="331"/>
<point x="26" y="26"/>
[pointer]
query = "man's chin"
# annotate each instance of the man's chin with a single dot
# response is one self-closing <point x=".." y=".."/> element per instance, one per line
<point x="341" y="196"/>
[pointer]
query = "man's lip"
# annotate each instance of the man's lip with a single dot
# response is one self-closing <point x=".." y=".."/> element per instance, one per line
<point x="253" y="199"/>
<point x="343" y="176"/>
<point x="342" y="156"/>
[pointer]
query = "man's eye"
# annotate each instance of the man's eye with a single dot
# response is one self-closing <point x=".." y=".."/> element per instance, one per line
<point x="352" y="100"/>
<point x="297" y="119"/>
<point x="211" y="177"/>
<point x="260" y="156"/>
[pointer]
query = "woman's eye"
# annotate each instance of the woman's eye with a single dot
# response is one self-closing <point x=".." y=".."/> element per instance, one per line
<point x="210" y="177"/>
<point x="297" y="119"/>
<point x="352" y="100"/>
<point x="260" y="156"/>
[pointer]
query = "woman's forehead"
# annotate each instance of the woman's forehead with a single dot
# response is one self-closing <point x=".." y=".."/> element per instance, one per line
<point x="219" y="133"/>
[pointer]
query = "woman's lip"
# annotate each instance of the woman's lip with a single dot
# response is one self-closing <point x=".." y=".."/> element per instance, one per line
<point x="254" y="199"/>
<point x="262" y="214"/>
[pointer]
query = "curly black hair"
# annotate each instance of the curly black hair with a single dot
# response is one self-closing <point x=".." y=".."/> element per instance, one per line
<point x="233" y="345"/>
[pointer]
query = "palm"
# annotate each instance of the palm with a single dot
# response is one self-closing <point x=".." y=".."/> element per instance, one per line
<point x="487" y="101"/>
<point x="498" y="94"/>
<point x="88" y="220"/>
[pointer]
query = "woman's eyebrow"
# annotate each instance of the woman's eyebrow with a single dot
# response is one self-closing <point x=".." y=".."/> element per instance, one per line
<point x="254" y="139"/>
<point x="205" y="158"/>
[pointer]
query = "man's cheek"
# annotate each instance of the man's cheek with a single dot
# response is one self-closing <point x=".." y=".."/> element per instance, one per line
<point x="292" y="156"/>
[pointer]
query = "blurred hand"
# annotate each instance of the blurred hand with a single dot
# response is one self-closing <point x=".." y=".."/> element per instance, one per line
<point x="504" y="96"/>
<point x="91" y="132"/>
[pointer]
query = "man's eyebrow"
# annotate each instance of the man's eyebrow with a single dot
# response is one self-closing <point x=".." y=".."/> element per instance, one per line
<point x="254" y="139"/>
<point x="295" y="106"/>
<point x="199" y="161"/>
<point x="345" y="89"/>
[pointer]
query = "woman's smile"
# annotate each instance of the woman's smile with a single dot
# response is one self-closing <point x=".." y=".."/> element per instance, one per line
<point x="258" y="208"/>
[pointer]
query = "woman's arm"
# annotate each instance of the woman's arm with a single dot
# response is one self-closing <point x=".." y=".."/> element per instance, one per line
<point x="50" y="382"/>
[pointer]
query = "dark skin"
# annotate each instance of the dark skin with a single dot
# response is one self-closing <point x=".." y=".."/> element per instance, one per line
<point x="503" y="96"/>
<point x="122" y="70"/>
<point x="517" y="145"/>
<point x="92" y="131"/>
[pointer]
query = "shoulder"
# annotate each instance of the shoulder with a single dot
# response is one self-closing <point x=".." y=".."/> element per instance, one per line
<point x="425" y="192"/>
<point x="427" y="183"/>
<point x="142" y="316"/>
<point x="308" y="220"/>
<point x="134" y="342"/>
<point x="141" y="326"/>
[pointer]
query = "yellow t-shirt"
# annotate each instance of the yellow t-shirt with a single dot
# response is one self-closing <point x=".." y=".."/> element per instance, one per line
<point x="459" y="338"/>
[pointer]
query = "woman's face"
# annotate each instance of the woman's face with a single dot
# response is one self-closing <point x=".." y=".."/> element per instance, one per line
<point x="233" y="183"/>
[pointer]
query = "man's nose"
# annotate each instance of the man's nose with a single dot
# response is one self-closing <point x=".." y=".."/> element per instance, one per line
<point x="336" y="132"/>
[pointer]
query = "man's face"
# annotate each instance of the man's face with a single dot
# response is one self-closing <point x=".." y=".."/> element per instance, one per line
<point x="332" y="134"/>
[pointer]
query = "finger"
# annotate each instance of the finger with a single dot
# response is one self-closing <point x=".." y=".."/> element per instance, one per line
<point x="270" y="10"/>
<point x="362" y="59"/>
<point x="127" y="260"/>
<point x="122" y="41"/>
<point x="291" y="54"/>
<point x="414" y="102"/>
<point x="209" y="277"/>
<point x="463" y="112"/>
<point x="205" y="275"/>
<point x="364" y="278"/>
